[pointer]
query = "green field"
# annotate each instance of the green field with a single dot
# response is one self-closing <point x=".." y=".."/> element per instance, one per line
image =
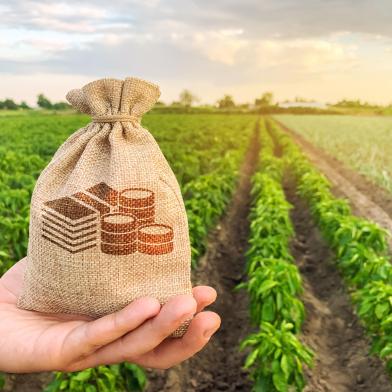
<point x="206" y="152"/>
<point x="362" y="143"/>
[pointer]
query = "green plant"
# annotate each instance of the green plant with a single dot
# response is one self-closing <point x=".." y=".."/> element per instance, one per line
<point x="276" y="358"/>
<point x="125" y="377"/>
<point x="375" y="305"/>
<point x="360" y="247"/>
<point x="350" y="139"/>
<point x="273" y="287"/>
<point x="206" y="198"/>
<point x="2" y="381"/>
<point x="375" y="308"/>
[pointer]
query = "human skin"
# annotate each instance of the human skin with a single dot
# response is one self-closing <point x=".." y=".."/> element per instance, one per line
<point x="139" y="333"/>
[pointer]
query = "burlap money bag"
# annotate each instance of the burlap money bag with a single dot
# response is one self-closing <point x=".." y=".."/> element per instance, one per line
<point x="107" y="221"/>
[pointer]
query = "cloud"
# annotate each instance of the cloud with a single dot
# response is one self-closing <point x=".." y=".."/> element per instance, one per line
<point x="66" y="10"/>
<point x="47" y="45"/>
<point x="222" y="46"/>
<point x="71" y="16"/>
<point x="296" y="18"/>
<point x="207" y="46"/>
<point x="307" y="55"/>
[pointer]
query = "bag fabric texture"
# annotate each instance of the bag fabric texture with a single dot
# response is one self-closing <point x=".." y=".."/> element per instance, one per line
<point x="107" y="221"/>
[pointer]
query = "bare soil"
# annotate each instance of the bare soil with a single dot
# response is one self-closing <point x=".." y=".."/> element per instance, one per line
<point x="219" y="366"/>
<point x="367" y="199"/>
<point x="331" y="329"/>
<point x="34" y="382"/>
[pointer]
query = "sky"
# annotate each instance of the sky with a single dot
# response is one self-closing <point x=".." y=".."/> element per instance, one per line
<point x="325" y="50"/>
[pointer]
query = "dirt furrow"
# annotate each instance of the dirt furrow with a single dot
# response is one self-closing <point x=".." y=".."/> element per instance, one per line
<point x="367" y="199"/>
<point x="219" y="366"/>
<point x="342" y="360"/>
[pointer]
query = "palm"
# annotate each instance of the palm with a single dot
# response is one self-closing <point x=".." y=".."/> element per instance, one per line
<point x="39" y="335"/>
<point x="33" y="341"/>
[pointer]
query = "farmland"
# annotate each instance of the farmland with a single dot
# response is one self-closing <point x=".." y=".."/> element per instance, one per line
<point x="304" y="281"/>
<point x="363" y="143"/>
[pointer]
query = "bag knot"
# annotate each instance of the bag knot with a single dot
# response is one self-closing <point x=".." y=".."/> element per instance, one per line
<point x="111" y="100"/>
<point x="115" y="118"/>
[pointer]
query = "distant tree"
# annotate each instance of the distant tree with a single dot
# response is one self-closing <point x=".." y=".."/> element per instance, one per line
<point x="243" y="105"/>
<point x="356" y="103"/>
<point x="226" y="102"/>
<point x="44" y="102"/>
<point x="265" y="100"/>
<point x="187" y="98"/>
<point x="60" y="106"/>
<point x="23" y="105"/>
<point x="9" y="104"/>
<point x="301" y="99"/>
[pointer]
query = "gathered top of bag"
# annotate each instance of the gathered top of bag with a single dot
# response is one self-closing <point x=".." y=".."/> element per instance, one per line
<point x="108" y="100"/>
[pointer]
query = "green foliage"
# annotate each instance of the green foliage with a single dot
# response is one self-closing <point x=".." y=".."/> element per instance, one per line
<point x="360" y="246"/>
<point x="375" y="308"/>
<point x="360" y="142"/>
<point x="187" y="98"/>
<point x="274" y="283"/>
<point x="273" y="287"/>
<point x="375" y="305"/>
<point x="8" y="104"/>
<point x="43" y="102"/>
<point x="265" y="100"/>
<point x="227" y="102"/>
<point x="277" y="356"/>
<point x="357" y="230"/>
<point x="114" y="378"/>
<point x="206" y="198"/>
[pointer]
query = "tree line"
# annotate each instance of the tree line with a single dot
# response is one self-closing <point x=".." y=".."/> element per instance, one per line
<point x="42" y="102"/>
<point x="187" y="99"/>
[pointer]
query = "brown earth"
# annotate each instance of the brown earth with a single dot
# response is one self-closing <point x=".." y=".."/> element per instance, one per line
<point x="367" y="199"/>
<point x="331" y="329"/>
<point x="219" y="366"/>
<point x="34" y="382"/>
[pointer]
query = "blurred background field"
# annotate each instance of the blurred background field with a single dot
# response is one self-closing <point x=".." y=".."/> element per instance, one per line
<point x="362" y="143"/>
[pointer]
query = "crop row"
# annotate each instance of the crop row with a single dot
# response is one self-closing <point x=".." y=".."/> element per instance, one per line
<point x="349" y="139"/>
<point x="360" y="246"/>
<point x="274" y="284"/>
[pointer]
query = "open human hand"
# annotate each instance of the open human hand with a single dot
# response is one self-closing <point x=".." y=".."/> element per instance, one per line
<point x="139" y="333"/>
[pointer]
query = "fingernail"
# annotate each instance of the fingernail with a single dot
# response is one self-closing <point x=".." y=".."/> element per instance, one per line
<point x="210" y="332"/>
